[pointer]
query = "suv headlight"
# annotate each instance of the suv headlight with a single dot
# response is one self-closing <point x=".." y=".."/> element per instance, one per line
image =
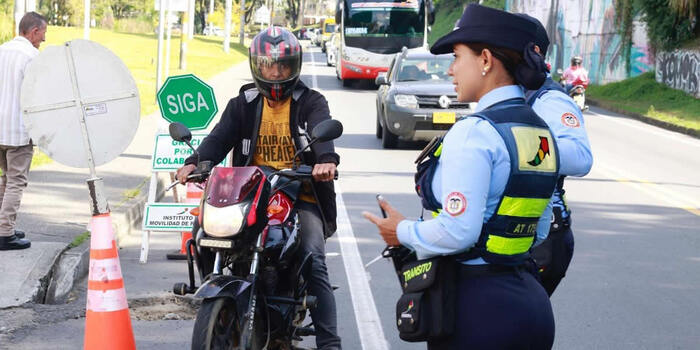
<point x="224" y="222"/>
<point x="406" y="101"/>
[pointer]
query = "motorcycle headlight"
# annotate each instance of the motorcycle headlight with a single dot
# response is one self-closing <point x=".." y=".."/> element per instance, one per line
<point x="406" y="101"/>
<point x="224" y="222"/>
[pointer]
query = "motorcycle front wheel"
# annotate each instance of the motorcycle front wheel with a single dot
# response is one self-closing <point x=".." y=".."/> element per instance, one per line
<point x="218" y="326"/>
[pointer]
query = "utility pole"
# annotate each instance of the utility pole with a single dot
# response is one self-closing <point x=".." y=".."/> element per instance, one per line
<point x="241" y="35"/>
<point x="300" y="20"/>
<point x="183" y="39"/>
<point x="161" y="28"/>
<point x="86" y="21"/>
<point x="190" y="19"/>
<point x="227" y="26"/>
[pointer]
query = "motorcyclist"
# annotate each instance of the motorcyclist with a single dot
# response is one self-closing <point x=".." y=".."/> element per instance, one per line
<point x="263" y="127"/>
<point x="575" y="74"/>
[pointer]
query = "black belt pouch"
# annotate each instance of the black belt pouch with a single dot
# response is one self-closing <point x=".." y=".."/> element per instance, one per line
<point x="425" y="310"/>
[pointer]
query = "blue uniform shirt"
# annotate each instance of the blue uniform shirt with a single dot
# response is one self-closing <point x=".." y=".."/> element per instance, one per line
<point x="565" y="121"/>
<point x="475" y="163"/>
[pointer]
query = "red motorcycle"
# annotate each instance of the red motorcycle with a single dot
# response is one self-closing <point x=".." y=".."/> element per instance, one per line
<point x="246" y="247"/>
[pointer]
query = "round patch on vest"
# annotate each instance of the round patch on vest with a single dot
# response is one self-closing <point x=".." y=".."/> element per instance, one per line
<point x="455" y="204"/>
<point x="570" y="120"/>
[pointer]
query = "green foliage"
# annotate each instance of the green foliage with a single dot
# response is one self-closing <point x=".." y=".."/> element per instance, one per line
<point x="667" y="28"/>
<point x="5" y="26"/>
<point x="448" y="12"/>
<point x="624" y="21"/>
<point x="133" y="25"/>
<point x="643" y="95"/>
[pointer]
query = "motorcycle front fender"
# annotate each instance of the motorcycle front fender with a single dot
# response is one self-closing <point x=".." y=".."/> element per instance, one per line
<point x="223" y="286"/>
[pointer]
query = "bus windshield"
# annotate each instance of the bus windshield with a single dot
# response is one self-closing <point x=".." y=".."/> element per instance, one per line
<point x="369" y="24"/>
<point x="329" y="28"/>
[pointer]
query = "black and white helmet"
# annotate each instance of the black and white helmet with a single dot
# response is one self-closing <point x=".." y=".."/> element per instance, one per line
<point x="275" y="49"/>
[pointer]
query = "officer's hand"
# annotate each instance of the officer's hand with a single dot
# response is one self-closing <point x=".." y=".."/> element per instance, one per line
<point x="182" y="173"/>
<point x="324" y="172"/>
<point x="387" y="226"/>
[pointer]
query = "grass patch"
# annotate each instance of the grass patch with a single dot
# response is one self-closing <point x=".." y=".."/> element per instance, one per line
<point x="79" y="239"/>
<point x="40" y="158"/>
<point x="130" y="194"/>
<point x="205" y="56"/>
<point x="643" y="95"/>
<point x="446" y="15"/>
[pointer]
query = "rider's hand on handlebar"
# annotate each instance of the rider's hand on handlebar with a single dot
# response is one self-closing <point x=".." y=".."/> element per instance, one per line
<point x="182" y="173"/>
<point x="324" y="172"/>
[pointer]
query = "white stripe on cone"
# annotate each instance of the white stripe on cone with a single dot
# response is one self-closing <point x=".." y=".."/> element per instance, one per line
<point x="107" y="301"/>
<point x="105" y="270"/>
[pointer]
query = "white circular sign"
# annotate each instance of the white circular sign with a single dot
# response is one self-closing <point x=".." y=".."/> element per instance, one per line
<point x="81" y="79"/>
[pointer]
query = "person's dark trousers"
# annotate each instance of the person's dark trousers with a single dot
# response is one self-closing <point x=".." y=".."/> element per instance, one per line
<point x="562" y="251"/>
<point x="504" y="310"/>
<point x="312" y="241"/>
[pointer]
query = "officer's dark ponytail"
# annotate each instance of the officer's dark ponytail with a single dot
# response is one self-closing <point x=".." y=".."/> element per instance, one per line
<point x="531" y="73"/>
<point x="527" y="68"/>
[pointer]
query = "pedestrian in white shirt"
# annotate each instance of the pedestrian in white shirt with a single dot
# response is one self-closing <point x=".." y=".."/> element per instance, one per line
<point x="16" y="147"/>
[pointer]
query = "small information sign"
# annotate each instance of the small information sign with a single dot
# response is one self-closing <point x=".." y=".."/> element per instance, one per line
<point x="169" y="216"/>
<point x="170" y="155"/>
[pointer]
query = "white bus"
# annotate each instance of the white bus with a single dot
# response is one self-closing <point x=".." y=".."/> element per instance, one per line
<point x="372" y="32"/>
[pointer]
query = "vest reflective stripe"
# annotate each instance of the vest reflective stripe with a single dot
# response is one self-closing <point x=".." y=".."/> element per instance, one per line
<point x="508" y="246"/>
<point x="523" y="207"/>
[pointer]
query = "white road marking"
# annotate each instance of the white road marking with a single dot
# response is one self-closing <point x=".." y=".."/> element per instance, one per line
<point x="369" y="325"/>
<point x="314" y="81"/>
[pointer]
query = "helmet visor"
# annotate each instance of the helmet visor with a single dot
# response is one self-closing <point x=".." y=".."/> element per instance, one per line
<point x="275" y="70"/>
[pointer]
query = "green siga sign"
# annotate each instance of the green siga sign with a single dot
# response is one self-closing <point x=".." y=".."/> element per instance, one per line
<point x="188" y="100"/>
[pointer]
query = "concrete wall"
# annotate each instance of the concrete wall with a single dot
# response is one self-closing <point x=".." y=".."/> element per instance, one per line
<point x="680" y="70"/>
<point x="587" y="28"/>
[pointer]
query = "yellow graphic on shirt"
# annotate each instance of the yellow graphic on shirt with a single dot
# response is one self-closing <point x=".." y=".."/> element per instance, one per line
<point x="535" y="149"/>
<point x="275" y="147"/>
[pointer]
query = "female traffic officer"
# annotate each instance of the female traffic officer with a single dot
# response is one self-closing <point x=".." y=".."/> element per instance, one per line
<point x="491" y="182"/>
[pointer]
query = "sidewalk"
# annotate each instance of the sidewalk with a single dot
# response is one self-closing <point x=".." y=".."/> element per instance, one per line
<point x="55" y="210"/>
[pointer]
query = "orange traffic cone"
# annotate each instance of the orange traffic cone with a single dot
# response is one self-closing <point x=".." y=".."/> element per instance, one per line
<point x="194" y="194"/>
<point x="107" y="322"/>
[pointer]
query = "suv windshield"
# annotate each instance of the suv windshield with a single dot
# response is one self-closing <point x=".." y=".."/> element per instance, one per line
<point x="417" y="69"/>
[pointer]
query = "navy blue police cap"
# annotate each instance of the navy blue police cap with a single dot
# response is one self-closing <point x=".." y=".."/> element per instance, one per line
<point x="485" y="25"/>
<point x="541" y="38"/>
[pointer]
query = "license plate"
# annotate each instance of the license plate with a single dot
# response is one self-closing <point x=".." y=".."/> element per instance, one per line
<point x="443" y="117"/>
<point x="215" y="243"/>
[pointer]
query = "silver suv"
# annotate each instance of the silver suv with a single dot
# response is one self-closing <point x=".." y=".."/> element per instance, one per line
<point x="416" y="99"/>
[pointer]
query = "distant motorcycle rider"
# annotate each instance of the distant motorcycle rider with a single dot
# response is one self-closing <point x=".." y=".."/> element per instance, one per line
<point x="263" y="126"/>
<point x="575" y="74"/>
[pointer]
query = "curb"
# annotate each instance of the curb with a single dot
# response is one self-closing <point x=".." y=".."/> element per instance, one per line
<point x="73" y="264"/>
<point x="656" y="122"/>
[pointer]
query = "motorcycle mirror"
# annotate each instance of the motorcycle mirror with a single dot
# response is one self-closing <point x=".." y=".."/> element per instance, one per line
<point x="327" y="130"/>
<point x="179" y="132"/>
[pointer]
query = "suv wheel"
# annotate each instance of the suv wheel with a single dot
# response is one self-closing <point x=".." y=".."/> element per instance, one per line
<point x="389" y="140"/>
<point x="379" y="125"/>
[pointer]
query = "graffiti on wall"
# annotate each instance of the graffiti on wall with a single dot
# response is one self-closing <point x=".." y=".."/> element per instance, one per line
<point x="587" y="28"/>
<point x="679" y="70"/>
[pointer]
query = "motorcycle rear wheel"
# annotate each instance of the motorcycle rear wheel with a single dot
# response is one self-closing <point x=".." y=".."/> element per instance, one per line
<point x="218" y="326"/>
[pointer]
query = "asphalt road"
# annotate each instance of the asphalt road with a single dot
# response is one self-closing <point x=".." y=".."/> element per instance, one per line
<point x="633" y="282"/>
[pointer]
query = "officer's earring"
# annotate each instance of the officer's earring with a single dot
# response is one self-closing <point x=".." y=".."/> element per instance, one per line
<point x="483" y="72"/>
